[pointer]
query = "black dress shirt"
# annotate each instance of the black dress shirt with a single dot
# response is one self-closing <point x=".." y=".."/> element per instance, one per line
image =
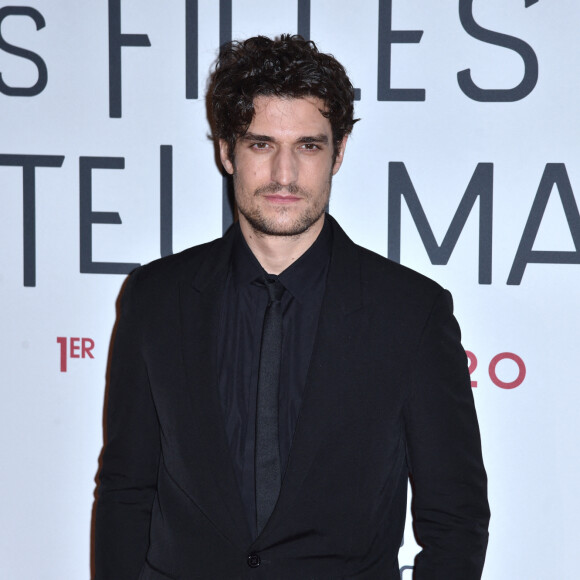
<point x="245" y="302"/>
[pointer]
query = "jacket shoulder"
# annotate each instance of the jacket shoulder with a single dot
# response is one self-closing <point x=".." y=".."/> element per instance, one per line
<point x="380" y="276"/>
<point x="185" y="262"/>
<point x="383" y="272"/>
<point x="163" y="276"/>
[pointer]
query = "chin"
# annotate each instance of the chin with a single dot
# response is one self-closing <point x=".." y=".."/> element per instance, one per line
<point x="281" y="227"/>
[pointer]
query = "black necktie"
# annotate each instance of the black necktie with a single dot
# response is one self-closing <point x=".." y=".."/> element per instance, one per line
<point x="267" y="452"/>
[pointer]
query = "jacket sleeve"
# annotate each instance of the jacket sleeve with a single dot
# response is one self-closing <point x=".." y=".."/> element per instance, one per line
<point x="449" y="483"/>
<point x="130" y="457"/>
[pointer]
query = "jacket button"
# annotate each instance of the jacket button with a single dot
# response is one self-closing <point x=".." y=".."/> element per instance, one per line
<point x="254" y="560"/>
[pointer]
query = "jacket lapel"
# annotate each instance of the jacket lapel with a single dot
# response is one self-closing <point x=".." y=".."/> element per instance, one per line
<point x="212" y="478"/>
<point x="213" y="481"/>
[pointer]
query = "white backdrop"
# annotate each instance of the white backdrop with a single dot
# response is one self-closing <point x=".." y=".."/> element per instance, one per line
<point x="513" y="270"/>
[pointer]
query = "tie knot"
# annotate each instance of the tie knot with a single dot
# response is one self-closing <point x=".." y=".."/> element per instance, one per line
<point x="275" y="289"/>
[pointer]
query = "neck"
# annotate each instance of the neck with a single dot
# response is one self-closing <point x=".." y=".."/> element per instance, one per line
<point x="276" y="253"/>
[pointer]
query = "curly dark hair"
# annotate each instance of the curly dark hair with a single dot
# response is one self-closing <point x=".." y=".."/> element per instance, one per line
<point x="288" y="66"/>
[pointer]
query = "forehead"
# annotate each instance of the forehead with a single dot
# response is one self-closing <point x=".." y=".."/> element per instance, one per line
<point x="279" y="116"/>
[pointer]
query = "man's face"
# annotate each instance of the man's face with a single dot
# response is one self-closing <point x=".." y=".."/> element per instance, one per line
<point x="283" y="166"/>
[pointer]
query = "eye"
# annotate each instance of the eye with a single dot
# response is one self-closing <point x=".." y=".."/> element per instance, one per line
<point x="260" y="145"/>
<point x="310" y="147"/>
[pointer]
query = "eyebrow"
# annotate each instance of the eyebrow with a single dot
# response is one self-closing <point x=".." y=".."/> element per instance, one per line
<point x="321" y="138"/>
<point x="255" y="137"/>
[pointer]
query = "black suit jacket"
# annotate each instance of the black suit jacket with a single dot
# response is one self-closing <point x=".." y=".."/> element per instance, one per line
<point x="387" y="395"/>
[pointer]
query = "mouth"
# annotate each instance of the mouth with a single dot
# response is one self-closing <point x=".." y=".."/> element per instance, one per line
<point x="282" y="199"/>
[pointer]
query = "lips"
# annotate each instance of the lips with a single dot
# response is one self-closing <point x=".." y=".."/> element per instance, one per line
<point x="282" y="199"/>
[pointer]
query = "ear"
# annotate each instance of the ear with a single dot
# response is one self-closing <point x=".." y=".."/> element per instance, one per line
<point x="225" y="157"/>
<point x="339" y="155"/>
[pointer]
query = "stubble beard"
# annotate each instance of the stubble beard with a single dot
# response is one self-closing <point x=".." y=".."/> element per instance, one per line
<point x="271" y="226"/>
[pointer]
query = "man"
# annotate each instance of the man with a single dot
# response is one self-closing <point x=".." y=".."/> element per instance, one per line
<point x="271" y="392"/>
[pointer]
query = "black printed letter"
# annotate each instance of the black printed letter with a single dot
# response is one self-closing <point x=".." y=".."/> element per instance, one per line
<point x="191" y="49"/>
<point x="116" y="41"/>
<point x="387" y="37"/>
<point x="480" y="185"/>
<point x="29" y="163"/>
<point x="555" y="174"/>
<point x="88" y="217"/>
<point x="496" y="38"/>
<point x="40" y="84"/>
<point x="166" y="200"/>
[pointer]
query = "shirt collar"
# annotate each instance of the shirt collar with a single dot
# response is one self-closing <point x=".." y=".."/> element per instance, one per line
<point x="299" y="278"/>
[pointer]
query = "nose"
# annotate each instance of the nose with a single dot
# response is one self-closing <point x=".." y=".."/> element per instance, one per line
<point x="284" y="167"/>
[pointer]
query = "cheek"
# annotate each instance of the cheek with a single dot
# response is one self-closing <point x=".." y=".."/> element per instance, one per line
<point x="247" y="181"/>
<point x="253" y="173"/>
<point x="321" y="176"/>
